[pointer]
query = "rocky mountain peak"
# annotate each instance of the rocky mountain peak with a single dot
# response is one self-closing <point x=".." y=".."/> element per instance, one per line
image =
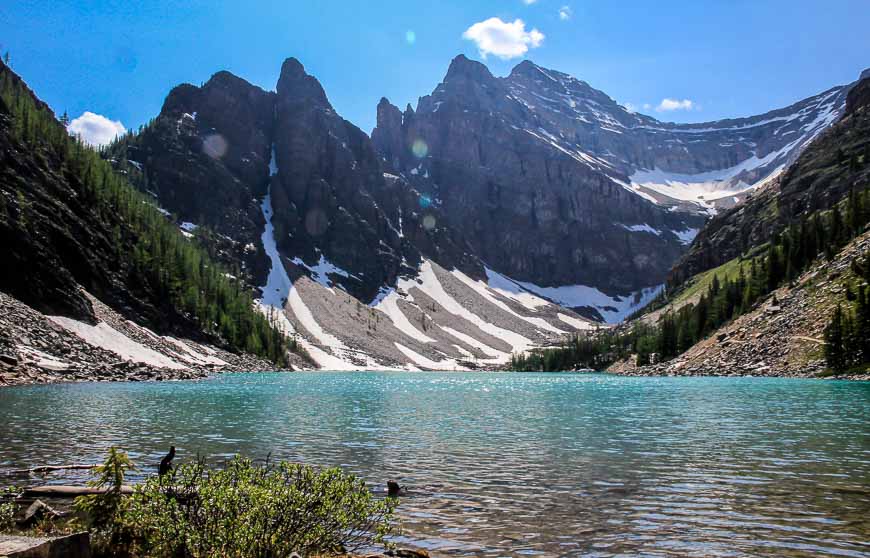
<point x="526" y="68"/>
<point x="462" y="68"/>
<point x="865" y="74"/>
<point x="179" y="98"/>
<point x="859" y="96"/>
<point x="387" y="135"/>
<point x="295" y="83"/>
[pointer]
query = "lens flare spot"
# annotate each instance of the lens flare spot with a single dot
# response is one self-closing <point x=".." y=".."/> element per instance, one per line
<point x="429" y="222"/>
<point x="425" y="201"/>
<point x="419" y="148"/>
<point x="215" y="146"/>
<point x="410" y="37"/>
<point x="125" y="59"/>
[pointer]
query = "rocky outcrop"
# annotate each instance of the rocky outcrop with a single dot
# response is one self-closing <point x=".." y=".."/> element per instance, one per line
<point x="76" y="545"/>
<point x="324" y="192"/>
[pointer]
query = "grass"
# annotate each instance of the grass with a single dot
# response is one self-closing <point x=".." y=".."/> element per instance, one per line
<point x="699" y="284"/>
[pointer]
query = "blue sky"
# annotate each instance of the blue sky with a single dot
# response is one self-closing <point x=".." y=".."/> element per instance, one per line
<point x="728" y="58"/>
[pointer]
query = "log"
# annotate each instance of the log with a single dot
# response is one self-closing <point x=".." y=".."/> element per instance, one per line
<point x="49" y="468"/>
<point x="64" y="491"/>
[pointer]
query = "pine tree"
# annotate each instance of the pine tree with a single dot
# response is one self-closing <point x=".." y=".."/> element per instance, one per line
<point x="668" y="336"/>
<point x="774" y="266"/>
<point x="862" y="324"/>
<point x="835" y="351"/>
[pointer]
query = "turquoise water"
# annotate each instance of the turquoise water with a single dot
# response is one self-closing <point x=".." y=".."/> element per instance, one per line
<point x="506" y="464"/>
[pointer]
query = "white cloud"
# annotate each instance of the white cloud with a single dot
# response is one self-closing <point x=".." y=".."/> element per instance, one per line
<point x="565" y="13"/>
<point x="95" y="129"/>
<point x="503" y="39"/>
<point x="529" y="2"/>
<point x="668" y="105"/>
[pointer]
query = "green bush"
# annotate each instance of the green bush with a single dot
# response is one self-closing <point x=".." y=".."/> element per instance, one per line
<point x="241" y="510"/>
<point x="8" y="508"/>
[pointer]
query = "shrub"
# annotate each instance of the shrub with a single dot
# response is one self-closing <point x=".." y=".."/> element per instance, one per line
<point x="250" y="510"/>
<point x="8" y="508"/>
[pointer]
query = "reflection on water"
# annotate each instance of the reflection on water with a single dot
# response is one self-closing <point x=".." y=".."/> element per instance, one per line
<point x="515" y="464"/>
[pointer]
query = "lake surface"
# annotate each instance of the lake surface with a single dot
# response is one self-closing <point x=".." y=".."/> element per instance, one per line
<point x="509" y="464"/>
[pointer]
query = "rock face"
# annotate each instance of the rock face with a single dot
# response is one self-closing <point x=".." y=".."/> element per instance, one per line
<point x="555" y="183"/>
<point x="324" y="193"/>
<point x="837" y="161"/>
<point x="215" y="151"/>
<point x="205" y="159"/>
<point x="532" y="208"/>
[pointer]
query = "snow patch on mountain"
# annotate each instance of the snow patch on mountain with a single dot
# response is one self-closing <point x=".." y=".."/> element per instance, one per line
<point x="420" y="360"/>
<point x="482" y="289"/>
<point x="321" y="271"/>
<point x="686" y="236"/>
<point x="105" y="336"/>
<point x="389" y="305"/>
<point x="278" y="283"/>
<point x="642" y="228"/>
<point x="428" y="282"/>
<point x="511" y="289"/>
<point x="495" y="354"/>
<point x="575" y="323"/>
<point x="613" y="309"/>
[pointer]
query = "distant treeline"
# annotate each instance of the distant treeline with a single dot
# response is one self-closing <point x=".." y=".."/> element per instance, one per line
<point x="787" y="255"/>
<point x="159" y="257"/>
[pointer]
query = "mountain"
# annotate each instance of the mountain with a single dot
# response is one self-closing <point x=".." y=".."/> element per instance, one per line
<point x="757" y="289"/>
<point x="487" y="214"/>
<point x="555" y="184"/>
<point x="359" y="261"/>
<point x="801" y="251"/>
<point x="825" y="172"/>
<point x="88" y="259"/>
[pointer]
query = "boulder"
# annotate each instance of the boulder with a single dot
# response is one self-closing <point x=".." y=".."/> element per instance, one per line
<point x="77" y="545"/>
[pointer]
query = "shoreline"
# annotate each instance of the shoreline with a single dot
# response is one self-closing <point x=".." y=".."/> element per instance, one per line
<point x="139" y="374"/>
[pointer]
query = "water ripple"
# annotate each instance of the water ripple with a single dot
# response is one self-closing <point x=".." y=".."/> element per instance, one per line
<point x="515" y="464"/>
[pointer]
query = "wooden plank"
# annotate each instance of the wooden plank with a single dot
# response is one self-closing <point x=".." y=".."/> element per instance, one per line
<point x="65" y="491"/>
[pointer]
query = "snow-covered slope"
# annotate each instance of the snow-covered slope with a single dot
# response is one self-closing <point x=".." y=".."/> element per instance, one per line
<point x="436" y="319"/>
<point x="431" y="319"/>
